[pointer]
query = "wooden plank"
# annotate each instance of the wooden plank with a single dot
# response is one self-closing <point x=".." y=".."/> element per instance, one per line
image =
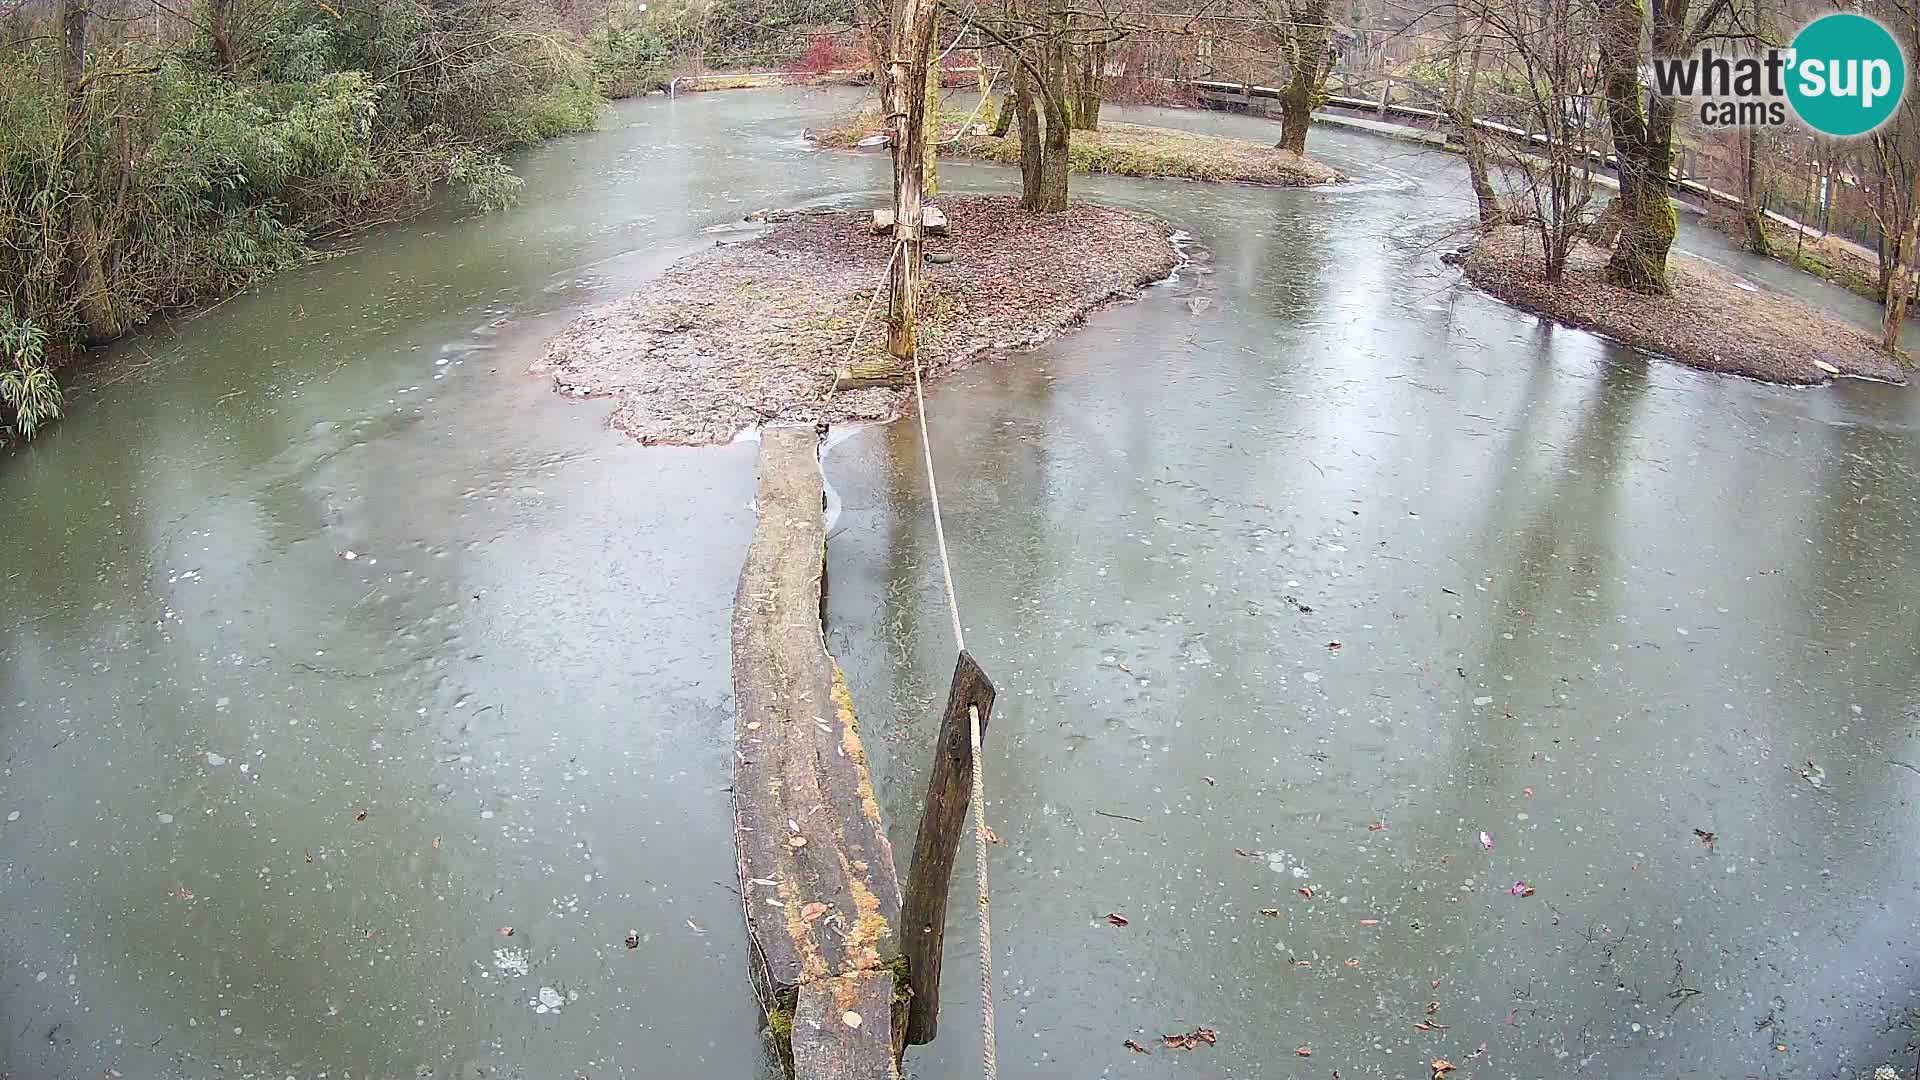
<point x="933" y="221"/>
<point x="817" y="878"/>
<point x="834" y="1027"/>
<point x="942" y="820"/>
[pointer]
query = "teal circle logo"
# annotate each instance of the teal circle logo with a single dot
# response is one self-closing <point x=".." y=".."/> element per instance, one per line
<point x="1848" y="74"/>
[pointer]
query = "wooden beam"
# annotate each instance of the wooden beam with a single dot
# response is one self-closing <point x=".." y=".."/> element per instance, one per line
<point x="817" y="878"/>
<point x="923" y="912"/>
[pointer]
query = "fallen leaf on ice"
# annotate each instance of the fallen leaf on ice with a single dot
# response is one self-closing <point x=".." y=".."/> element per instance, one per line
<point x="1191" y="1039"/>
<point x="1518" y="888"/>
<point x="506" y="931"/>
<point x="1433" y="1006"/>
<point x="1441" y="1067"/>
<point x="1116" y="918"/>
<point x="1270" y="912"/>
<point x="1369" y="922"/>
<point x="1486" y="841"/>
<point x="1306" y="891"/>
<point x="1136" y="1047"/>
<point x="1428" y="1025"/>
<point x="1303" y="1051"/>
<point x="1376" y="826"/>
<point x="1353" y="961"/>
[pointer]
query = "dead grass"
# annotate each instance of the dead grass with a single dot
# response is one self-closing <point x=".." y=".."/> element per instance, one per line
<point x="1118" y="149"/>
<point x="1826" y="257"/>
<point x="751" y="332"/>
<point x="1712" y="320"/>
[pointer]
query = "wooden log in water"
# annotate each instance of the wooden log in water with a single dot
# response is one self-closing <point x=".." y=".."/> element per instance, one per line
<point x="942" y="821"/>
<point x="817" y="878"/>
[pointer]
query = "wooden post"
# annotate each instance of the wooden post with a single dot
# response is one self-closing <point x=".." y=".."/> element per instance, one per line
<point x="923" y="911"/>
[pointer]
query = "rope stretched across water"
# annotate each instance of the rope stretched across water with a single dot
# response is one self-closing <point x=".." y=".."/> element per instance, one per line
<point x="988" y="1065"/>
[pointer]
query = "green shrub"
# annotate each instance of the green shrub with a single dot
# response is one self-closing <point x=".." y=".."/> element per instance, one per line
<point x="628" y="60"/>
<point x="29" y="395"/>
<point x="561" y="110"/>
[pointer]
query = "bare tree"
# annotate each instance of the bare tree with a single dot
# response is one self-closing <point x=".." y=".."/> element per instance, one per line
<point x="1468" y="47"/>
<point x="1543" y="83"/>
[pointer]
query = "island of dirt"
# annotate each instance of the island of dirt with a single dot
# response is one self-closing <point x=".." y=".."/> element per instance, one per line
<point x="752" y="331"/>
<point x="1710" y="320"/>
<point x="1116" y="148"/>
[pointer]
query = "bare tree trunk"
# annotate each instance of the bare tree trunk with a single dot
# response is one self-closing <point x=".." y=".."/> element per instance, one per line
<point x="73" y="51"/>
<point x="1461" y="103"/>
<point x="875" y="33"/>
<point x="219" y="28"/>
<point x="1050" y="195"/>
<point x="907" y="81"/>
<point x="1089" y="76"/>
<point x="930" y="120"/>
<point x="1309" y="57"/>
<point x="1753" y="195"/>
<point x="1800" y="234"/>
<point x="989" y="111"/>
<point x="86" y="272"/>
<point x="1032" y="152"/>
<point x="1900" y="287"/>
<point x="1643" y="147"/>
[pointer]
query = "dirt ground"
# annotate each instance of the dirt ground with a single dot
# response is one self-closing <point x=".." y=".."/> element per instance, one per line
<point x="1117" y="148"/>
<point x="751" y="332"/>
<point x="1711" y="321"/>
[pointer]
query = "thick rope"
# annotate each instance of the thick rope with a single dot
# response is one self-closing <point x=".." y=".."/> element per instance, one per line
<point x="988" y="1064"/>
<point x="939" y="529"/>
